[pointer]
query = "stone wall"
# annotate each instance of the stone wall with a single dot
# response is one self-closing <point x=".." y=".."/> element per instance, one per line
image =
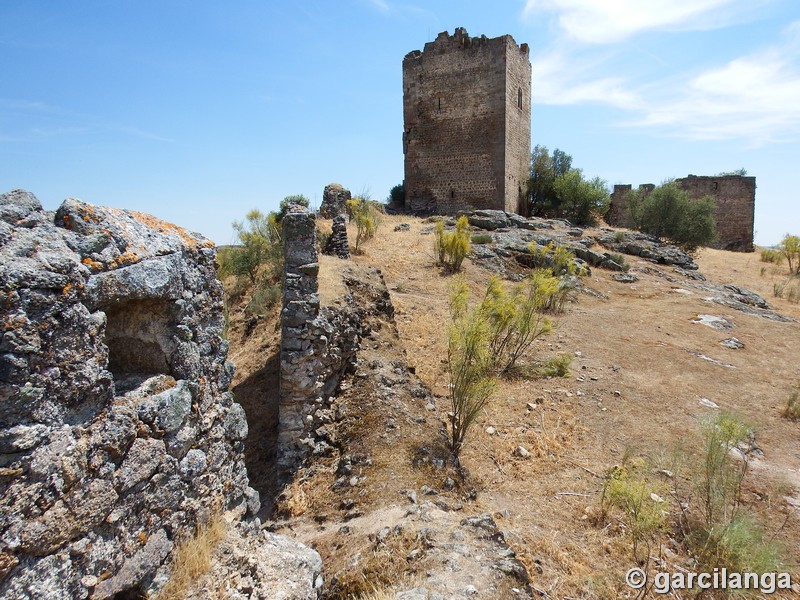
<point x="334" y="200"/>
<point x="466" y="113"/>
<point x="118" y="434"/>
<point x="734" y="198"/>
<point x="318" y="345"/>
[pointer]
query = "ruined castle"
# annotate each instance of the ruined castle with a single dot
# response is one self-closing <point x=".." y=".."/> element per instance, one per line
<point x="734" y="197"/>
<point x="467" y="124"/>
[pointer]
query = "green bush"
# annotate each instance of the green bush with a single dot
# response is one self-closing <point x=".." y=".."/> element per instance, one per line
<point x="619" y="259"/>
<point x="789" y="247"/>
<point x="669" y="214"/>
<point x="723" y="534"/>
<point x="558" y="366"/>
<point x="482" y="238"/>
<point x="558" y="259"/>
<point x="451" y="247"/>
<point x="259" y="244"/>
<point x="768" y="255"/>
<point x="792" y="410"/>
<point x="469" y="365"/>
<point x="789" y="289"/>
<point x="397" y="195"/>
<point x="264" y="298"/>
<point x="643" y="513"/>
<point x="514" y="319"/>
<point x="367" y="217"/>
<point x="581" y="200"/>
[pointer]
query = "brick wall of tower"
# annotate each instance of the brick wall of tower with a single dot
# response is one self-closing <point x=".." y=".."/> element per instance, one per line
<point x="463" y="143"/>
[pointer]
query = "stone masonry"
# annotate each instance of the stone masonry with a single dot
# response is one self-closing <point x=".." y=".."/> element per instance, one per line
<point x="337" y="244"/>
<point x="118" y="434"/>
<point x="734" y="198"/>
<point x="467" y="124"/>
<point x="334" y="200"/>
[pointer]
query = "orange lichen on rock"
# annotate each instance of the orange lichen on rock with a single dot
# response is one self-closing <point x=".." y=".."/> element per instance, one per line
<point x="165" y="227"/>
<point x="92" y="264"/>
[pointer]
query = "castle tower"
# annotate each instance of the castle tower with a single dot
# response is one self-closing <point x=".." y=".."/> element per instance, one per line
<point x="467" y="124"/>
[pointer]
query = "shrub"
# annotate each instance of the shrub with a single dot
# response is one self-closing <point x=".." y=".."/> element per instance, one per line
<point x="792" y="410"/>
<point x="581" y="200"/>
<point x="768" y="255"/>
<point x="667" y="213"/>
<point x="264" y="298"/>
<point x="643" y="511"/>
<point x="482" y="238"/>
<point x="397" y="195"/>
<point x="722" y="534"/>
<point x="366" y="216"/>
<point x="259" y="244"/>
<point x="557" y="366"/>
<point x="515" y="320"/>
<point x="619" y="259"/>
<point x="451" y="247"/>
<point x="789" y="289"/>
<point x="789" y="247"/>
<point x="469" y="364"/>
<point x="558" y="259"/>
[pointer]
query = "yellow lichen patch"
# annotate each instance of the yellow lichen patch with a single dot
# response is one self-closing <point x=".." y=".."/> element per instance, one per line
<point x="164" y="227"/>
<point x="127" y="258"/>
<point x="67" y="289"/>
<point x="92" y="264"/>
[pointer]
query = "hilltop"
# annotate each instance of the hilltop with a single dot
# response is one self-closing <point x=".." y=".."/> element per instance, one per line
<point x="652" y="356"/>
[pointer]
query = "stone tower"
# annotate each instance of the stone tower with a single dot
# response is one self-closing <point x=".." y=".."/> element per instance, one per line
<point x="467" y="124"/>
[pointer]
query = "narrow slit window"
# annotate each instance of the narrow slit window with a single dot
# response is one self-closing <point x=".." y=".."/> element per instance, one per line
<point x="519" y="97"/>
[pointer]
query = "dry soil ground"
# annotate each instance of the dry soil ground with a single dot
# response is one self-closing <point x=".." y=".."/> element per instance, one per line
<point x="637" y="389"/>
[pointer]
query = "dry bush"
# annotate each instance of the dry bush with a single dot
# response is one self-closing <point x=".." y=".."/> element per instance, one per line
<point x="193" y="558"/>
<point x="293" y="500"/>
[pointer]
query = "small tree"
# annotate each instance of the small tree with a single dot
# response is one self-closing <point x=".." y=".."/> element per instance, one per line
<point x="580" y="200"/>
<point x="669" y="214"/>
<point x="260" y="243"/>
<point x="515" y="320"/>
<point x="469" y="362"/>
<point x="296" y="199"/>
<point x="789" y="246"/>
<point x="366" y="217"/>
<point x="397" y="195"/>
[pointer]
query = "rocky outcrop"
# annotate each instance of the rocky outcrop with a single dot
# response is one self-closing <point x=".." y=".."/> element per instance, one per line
<point x="334" y="200"/>
<point x="118" y="434"/>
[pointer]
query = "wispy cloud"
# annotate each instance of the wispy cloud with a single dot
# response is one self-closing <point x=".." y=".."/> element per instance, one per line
<point x="752" y="97"/>
<point x="614" y="20"/>
<point x="560" y="80"/>
<point x="380" y="5"/>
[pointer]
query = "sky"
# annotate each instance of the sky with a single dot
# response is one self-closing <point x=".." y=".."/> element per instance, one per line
<point x="199" y="111"/>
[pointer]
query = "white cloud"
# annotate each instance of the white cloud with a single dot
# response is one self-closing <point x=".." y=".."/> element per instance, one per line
<point x="607" y="21"/>
<point x="381" y="5"/>
<point x="558" y="79"/>
<point x="752" y="97"/>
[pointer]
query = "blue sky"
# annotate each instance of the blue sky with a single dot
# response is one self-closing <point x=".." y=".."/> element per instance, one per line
<point x="197" y="111"/>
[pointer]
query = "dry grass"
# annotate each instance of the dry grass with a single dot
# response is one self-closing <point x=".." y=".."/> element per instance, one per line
<point x="633" y="383"/>
<point x="193" y="558"/>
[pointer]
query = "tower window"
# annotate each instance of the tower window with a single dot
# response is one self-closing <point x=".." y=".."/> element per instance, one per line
<point x="519" y="97"/>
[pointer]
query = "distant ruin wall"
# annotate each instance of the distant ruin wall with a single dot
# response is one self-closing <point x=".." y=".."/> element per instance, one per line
<point x="118" y="434"/>
<point x="466" y="114"/>
<point x="734" y="200"/>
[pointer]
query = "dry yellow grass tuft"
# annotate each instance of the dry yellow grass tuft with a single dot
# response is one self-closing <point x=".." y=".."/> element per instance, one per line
<point x="193" y="558"/>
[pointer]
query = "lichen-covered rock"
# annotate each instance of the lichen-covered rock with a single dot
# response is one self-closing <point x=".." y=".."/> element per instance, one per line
<point x="117" y="431"/>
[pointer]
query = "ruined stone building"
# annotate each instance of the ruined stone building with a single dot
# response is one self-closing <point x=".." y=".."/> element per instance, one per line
<point x="734" y="197"/>
<point x="467" y="124"/>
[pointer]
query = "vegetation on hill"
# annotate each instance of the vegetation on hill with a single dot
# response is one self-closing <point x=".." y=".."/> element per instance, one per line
<point x="557" y="190"/>
<point x="669" y="214"/>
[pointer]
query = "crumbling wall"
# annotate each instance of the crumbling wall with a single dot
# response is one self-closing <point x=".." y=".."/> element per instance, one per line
<point x="734" y="199"/>
<point x="118" y="434"/>
<point x="466" y="114"/>
<point x="318" y="345"/>
<point x="334" y="200"/>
